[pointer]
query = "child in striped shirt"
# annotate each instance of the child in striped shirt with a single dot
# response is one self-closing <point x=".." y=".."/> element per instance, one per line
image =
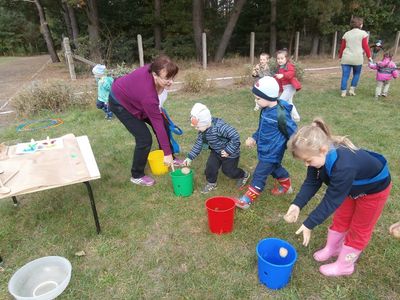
<point x="224" y="142"/>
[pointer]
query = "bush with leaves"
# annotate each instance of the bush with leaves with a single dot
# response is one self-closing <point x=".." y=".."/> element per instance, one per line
<point x="195" y="81"/>
<point x="54" y="96"/>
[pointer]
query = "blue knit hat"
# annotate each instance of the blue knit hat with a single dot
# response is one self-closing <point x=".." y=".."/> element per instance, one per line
<point x="266" y="88"/>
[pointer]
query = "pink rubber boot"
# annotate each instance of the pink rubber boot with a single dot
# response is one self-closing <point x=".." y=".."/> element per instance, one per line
<point x="333" y="245"/>
<point x="344" y="264"/>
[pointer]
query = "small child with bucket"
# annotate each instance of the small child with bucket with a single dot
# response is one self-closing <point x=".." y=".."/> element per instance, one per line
<point x="358" y="183"/>
<point x="274" y="129"/>
<point x="224" y="142"/>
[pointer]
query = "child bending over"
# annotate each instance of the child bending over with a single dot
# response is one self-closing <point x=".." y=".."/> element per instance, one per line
<point x="224" y="142"/>
<point x="358" y="185"/>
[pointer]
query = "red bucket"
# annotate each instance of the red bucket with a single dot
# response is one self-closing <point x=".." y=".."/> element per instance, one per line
<point x="221" y="213"/>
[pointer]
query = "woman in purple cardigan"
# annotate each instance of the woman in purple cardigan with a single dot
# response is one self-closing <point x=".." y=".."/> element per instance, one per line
<point x="134" y="100"/>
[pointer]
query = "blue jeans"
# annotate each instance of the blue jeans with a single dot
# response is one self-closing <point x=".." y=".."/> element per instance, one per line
<point x="264" y="169"/>
<point x="346" y="69"/>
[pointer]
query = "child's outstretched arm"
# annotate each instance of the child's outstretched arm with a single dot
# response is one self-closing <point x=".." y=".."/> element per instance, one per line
<point x="196" y="149"/>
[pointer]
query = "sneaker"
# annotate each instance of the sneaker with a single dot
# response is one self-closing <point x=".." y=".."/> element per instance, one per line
<point x="178" y="162"/>
<point x="243" y="202"/>
<point x="242" y="181"/>
<point x="384" y="95"/>
<point x="145" y="181"/>
<point x="209" y="187"/>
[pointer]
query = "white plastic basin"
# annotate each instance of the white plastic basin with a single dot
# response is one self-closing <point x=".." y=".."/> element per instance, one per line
<point x="41" y="279"/>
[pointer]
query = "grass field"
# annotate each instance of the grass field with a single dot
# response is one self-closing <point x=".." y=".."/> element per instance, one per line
<point x="156" y="245"/>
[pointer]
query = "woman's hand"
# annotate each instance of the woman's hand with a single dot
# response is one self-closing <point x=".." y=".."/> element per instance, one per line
<point x="168" y="160"/>
<point x="292" y="214"/>
<point x="224" y="153"/>
<point x="279" y="76"/>
<point x="250" y="142"/>
<point x="306" y="234"/>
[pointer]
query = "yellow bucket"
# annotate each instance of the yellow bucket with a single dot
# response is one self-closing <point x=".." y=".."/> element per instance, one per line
<point x="156" y="162"/>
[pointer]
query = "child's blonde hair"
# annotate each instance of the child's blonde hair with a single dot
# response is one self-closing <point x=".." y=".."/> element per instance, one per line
<point x="310" y="139"/>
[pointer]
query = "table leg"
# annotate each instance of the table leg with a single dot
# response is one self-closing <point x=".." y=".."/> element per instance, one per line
<point x="15" y="201"/>
<point x="96" y="218"/>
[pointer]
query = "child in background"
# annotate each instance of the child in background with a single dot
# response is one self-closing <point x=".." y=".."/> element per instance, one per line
<point x="260" y="70"/>
<point x="288" y="82"/>
<point x="103" y="89"/>
<point x="274" y="129"/>
<point x="224" y="142"/>
<point x="376" y="48"/>
<point x="386" y="70"/>
<point x="358" y="185"/>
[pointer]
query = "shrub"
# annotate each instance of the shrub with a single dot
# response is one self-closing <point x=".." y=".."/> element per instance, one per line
<point x="245" y="76"/>
<point x="54" y="96"/>
<point x="195" y="81"/>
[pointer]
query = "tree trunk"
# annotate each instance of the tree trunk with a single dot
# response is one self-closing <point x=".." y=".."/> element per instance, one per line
<point x="93" y="30"/>
<point x="74" y="25"/>
<point x="157" y="24"/>
<point x="223" y="44"/>
<point x="198" y="26"/>
<point x="46" y="32"/>
<point x="64" y="11"/>
<point x="315" y="43"/>
<point x="272" y="38"/>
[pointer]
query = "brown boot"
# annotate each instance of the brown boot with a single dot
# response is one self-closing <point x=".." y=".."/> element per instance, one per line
<point x="282" y="186"/>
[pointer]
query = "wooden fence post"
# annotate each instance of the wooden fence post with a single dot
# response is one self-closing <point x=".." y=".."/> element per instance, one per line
<point x="69" y="58"/>
<point x="140" y="48"/>
<point x="252" y="42"/>
<point x="296" y="46"/>
<point x="334" y="45"/>
<point x="396" y="46"/>
<point x="204" y="44"/>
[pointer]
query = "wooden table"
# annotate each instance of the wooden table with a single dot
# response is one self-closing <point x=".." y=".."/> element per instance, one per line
<point x="94" y="173"/>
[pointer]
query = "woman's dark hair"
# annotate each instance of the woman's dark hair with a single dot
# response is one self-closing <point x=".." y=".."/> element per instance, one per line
<point x="356" y="22"/>
<point x="164" y="62"/>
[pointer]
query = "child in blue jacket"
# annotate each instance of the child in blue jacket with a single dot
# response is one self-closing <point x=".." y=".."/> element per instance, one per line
<point x="274" y="129"/>
<point x="358" y="185"/>
<point x="104" y="84"/>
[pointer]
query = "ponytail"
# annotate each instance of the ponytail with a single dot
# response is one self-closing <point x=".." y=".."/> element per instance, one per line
<point x="311" y="138"/>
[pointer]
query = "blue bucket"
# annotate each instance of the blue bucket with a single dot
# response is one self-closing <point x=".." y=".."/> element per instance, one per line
<point x="275" y="270"/>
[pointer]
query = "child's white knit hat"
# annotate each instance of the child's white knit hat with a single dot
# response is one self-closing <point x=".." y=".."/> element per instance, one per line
<point x="266" y="88"/>
<point x="200" y="115"/>
<point x="99" y="70"/>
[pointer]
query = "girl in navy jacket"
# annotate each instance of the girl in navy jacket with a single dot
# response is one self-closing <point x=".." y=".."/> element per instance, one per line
<point x="358" y="183"/>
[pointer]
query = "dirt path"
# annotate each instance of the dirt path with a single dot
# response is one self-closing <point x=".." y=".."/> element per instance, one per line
<point x="15" y="73"/>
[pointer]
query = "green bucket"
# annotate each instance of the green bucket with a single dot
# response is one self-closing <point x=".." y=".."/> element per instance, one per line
<point x="182" y="183"/>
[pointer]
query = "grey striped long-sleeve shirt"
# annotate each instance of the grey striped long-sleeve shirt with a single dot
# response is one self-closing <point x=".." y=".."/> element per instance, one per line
<point x="220" y="136"/>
